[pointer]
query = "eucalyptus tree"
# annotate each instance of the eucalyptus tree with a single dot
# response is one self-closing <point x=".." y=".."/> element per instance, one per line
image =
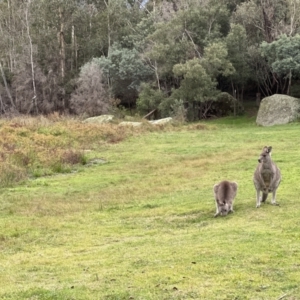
<point x="237" y="45"/>
<point x="91" y="97"/>
<point x="124" y="70"/>
<point x="113" y="40"/>
<point x="12" y="32"/>
<point x="198" y="84"/>
<point x="149" y="100"/>
<point x="197" y="88"/>
<point x="17" y="50"/>
<point x="120" y="18"/>
<point x="283" y="58"/>
<point x="53" y="30"/>
<point x="66" y="37"/>
<point x="265" y="21"/>
<point x="182" y="30"/>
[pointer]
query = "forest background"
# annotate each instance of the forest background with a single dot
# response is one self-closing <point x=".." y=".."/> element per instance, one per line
<point x="168" y="58"/>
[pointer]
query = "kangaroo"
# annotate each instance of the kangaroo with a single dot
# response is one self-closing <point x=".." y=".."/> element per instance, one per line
<point x="266" y="177"/>
<point x="224" y="192"/>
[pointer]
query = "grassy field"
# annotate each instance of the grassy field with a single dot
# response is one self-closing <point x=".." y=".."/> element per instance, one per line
<point x="140" y="225"/>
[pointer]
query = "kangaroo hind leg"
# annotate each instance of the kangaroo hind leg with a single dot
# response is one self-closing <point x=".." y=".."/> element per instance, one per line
<point x="273" y="201"/>
<point x="264" y="197"/>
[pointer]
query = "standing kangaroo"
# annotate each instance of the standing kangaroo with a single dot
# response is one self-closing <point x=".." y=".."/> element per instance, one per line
<point x="266" y="177"/>
<point x="224" y="193"/>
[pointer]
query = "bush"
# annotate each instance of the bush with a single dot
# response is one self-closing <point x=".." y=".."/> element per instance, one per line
<point x="91" y="96"/>
<point x="149" y="99"/>
<point x="225" y="105"/>
<point x="11" y="174"/>
<point x="179" y="112"/>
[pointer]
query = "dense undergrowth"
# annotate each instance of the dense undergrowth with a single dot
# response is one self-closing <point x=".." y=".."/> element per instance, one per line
<point x="32" y="147"/>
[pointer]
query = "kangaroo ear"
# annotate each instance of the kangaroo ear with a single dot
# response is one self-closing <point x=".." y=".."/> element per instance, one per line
<point x="267" y="149"/>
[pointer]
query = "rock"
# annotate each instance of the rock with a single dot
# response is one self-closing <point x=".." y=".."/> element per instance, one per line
<point x="107" y="118"/>
<point x="161" y="121"/>
<point x="133" y="124"/>
<point x="278" y="109"/>
<point x="99" y="119"/>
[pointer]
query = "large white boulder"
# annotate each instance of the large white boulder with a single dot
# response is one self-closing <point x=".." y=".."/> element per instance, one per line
<point x="278" y="109"/>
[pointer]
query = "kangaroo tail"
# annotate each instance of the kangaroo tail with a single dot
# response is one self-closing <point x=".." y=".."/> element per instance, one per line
<point x="264" y="197"/>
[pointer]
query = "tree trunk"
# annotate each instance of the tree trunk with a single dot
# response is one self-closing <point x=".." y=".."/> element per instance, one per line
<point x="290" y="83"/>
<point x="2" y="109"/>
<point x="108" y="26"/>
<point x="268" y="18"/>
<point x="34" y="98"/>
<point x="73" y="46"/>
<point x="258" y="99"/>
<point x="6" y="87"/>
<point x="62" y="44"/>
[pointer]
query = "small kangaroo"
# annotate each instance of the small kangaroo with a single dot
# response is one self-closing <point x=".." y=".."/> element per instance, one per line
<point x="266" y="177"/>
<point x="224" y="192"/>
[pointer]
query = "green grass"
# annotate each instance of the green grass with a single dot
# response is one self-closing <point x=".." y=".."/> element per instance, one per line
<point x="140" y="225"/>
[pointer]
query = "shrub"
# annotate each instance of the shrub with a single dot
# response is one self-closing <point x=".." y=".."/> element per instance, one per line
<point x="11" y="174"/>
<point x="91" y="96"/>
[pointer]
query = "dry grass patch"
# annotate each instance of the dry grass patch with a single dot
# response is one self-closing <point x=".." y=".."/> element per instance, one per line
<point x="54" y="144"/>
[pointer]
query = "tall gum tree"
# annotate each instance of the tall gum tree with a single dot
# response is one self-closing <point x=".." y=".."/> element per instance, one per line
<point x="265" y="21"/>
<point x="284" y="58"/>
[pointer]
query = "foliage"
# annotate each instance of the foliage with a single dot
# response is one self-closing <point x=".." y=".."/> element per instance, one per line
<point x="238" y="55"/>
<point x="179" y="112"/>
<point x="182" y="34"/>
<point x="226" y="105"/>
<point x="196" y="85"/>
<point x="125" y="71"/>
<point x="46" y="44"/>
<point x="149" y="98"/>
<point x="199" y="79"/>
<point x="91" y="95"/>
<point x="283" y="55"/>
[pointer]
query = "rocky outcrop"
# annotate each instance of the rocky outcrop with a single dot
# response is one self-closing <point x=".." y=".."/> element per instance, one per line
<point x="161" y="121"/>
<point x="108" y="118"/>
<point x="128" y="123"/>
<point x="278" y="109"/>
<point x="99" y="119"/>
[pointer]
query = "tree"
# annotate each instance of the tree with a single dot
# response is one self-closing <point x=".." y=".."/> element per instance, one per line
<point x="149" y="99"/>
<point x="216" y="61"/>
<point x="262" y="19"/>
<point x="91" y="95"/>
<point x="196" y="84"/>
<point x="196" y="87"/>
<point x="236" y="42"/>
<point x="182" y="33"/>
<point x="34" y="97"/>
<point x="283" y="57"/>
<point x="124" y="70"/>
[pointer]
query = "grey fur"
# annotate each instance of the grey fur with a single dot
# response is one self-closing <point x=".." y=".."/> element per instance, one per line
<point x="224" y="192"/>
<point x="267" y="177"/>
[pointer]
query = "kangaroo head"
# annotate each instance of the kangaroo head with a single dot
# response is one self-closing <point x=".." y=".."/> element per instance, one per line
<point x="224" y="208"/>
<point x="265" y="154"/>
<point x="267" y="149"/>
